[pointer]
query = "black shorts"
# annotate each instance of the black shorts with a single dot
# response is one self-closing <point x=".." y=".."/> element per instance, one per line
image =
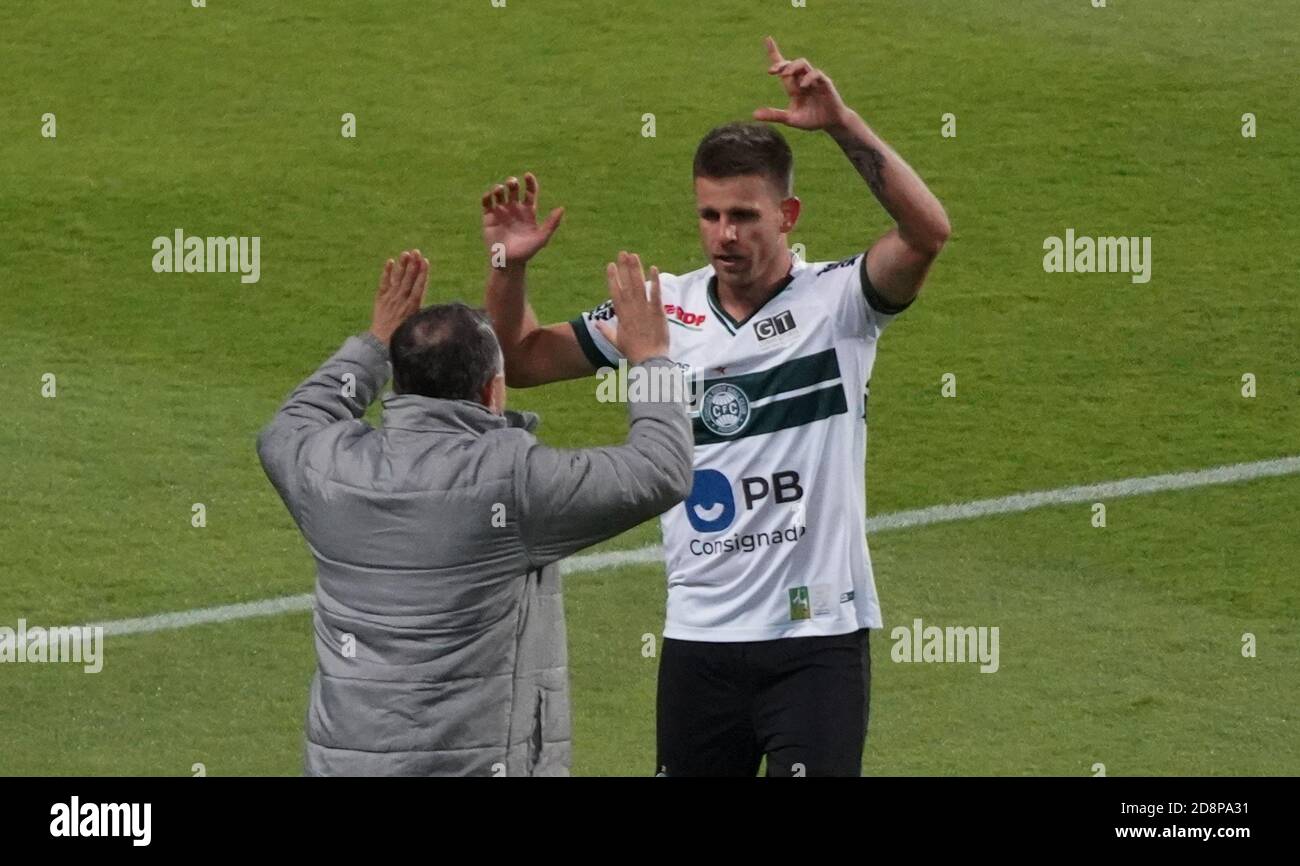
<point x="803" y="702"/>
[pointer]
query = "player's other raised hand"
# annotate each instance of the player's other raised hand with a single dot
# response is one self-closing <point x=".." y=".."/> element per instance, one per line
<point x="511" y="222"/>
<point x="814" y="101"/>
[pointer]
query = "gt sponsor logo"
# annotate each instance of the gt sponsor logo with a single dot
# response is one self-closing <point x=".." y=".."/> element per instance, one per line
<point x="774" y="326"/>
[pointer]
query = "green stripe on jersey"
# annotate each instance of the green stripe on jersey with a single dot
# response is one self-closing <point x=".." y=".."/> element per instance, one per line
<point x="793" y="374"/>
<point x="781" y="415"/>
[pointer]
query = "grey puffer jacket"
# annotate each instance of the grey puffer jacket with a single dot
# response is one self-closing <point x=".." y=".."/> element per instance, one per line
<point x="439" y="622"/>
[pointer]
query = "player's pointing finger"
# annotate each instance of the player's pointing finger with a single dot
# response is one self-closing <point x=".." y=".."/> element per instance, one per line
<point x="773" y="53"/>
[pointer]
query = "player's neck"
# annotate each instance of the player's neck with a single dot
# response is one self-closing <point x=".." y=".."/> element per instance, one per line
<point x="740" y="301"/>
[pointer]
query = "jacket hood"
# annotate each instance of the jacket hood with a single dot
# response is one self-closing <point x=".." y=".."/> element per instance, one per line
<point x="430" y="414"/>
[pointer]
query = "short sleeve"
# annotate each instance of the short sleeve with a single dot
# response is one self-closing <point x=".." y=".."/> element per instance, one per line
<point x="861" y="311"/>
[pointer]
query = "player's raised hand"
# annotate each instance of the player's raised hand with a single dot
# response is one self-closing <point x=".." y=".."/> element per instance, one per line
<point x="814" y="101"/>
<point x="511" y="222"/>
<point x="401" y="293"/>
<point x="642" y="331"/>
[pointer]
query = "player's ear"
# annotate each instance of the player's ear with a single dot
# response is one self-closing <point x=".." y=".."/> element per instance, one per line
<point x="790" y="210"/>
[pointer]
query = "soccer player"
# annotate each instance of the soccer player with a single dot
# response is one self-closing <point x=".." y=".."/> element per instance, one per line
<point x="770" y="590"/>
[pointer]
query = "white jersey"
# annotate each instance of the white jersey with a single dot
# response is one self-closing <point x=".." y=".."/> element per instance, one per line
<point x="771" y="542"/>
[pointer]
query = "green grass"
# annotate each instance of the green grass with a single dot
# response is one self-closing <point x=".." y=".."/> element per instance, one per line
<point x="1119" y="645"/>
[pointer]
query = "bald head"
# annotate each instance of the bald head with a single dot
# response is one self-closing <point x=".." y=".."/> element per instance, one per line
<point x="447" y="351"/>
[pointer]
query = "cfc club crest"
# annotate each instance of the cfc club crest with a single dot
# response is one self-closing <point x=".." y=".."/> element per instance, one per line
<point x="724" y="409"/>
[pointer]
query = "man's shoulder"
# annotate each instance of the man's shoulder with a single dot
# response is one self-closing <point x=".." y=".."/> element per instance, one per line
<point x="833" y="269"/>
<point x="837" y="278"/>
<point x="675" y="289"/>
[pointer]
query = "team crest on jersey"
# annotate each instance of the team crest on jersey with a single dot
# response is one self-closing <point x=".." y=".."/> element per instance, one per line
<point x="724" y="409"/>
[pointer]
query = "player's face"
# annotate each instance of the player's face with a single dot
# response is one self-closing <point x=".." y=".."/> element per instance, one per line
<point x="743" y="223"/>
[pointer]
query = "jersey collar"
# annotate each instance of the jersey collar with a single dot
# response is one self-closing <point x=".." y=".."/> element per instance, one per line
<point x="728" y="322"/>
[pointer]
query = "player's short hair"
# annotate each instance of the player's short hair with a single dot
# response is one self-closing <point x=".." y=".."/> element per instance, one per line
<point x="448" y="351"/>
<point x="742" y="148"/>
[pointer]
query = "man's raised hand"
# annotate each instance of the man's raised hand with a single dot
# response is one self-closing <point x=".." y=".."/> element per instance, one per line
<point x="401" y="293"/>
<point x="642" y="331"/>
<point x="814" y="101"/>
<point x="510" y="228"/>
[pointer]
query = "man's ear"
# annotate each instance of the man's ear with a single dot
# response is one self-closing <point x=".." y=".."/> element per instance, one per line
<point x="790" y="210"/>
<point x="494" y="394"/>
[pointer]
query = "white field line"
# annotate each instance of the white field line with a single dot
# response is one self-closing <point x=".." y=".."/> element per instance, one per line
<point x="1014" y="504"/>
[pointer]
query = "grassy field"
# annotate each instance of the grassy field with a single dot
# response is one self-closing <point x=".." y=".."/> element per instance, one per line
<point x="1119" y="645"/>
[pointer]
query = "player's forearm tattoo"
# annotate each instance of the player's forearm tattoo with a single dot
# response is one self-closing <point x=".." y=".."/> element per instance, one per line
<point x="869" y="161"/>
